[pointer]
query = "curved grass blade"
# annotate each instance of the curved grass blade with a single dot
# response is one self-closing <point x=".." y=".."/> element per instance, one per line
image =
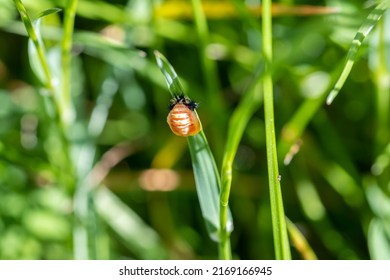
<point x="173" y="82"/>
<point x="237" y="124"/>
<point x="36" y="47"/>
<point x="48" y="12"/>
<point x="205" y="170"/>
<point x="36" y="63"/>
<point x="364" y="30"/>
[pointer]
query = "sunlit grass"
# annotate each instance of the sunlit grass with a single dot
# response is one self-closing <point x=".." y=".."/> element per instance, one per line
<point x="83" y="127"/>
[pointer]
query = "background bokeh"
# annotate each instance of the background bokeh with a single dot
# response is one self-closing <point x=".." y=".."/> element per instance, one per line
<point x="142" y="203"/>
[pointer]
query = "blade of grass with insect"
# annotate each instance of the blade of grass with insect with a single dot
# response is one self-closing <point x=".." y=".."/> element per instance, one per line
<point x="372" y="19"/>
<point x="205" y="170"/>
<point x="281" y="243"/>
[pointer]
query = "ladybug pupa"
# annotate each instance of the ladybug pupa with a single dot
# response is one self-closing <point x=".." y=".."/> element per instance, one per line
<point x="182" y="118"/>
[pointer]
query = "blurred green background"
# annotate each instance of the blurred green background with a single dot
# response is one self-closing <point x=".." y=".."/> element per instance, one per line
<point x="138" y="199"/>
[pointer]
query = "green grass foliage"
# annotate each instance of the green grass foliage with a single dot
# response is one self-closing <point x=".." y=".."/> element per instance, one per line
<point x="89" y="168"/>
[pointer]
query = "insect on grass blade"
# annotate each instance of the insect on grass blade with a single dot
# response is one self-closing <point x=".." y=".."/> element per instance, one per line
<point x="206" y="174"/>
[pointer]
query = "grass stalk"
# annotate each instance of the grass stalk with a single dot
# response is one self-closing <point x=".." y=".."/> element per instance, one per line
<point x="67" y="112"/>
<point x="84" y="242"/>
<point x="237" y="125"/>
<point x="59" y="104"/>
<point x="281" y="243"/>
<point x="37" y="43"/>
<point x="211" y="79"/>
<point x="53" y="109"/>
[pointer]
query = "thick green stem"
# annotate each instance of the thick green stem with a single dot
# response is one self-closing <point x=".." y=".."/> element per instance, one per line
<point x="281" y="244"/>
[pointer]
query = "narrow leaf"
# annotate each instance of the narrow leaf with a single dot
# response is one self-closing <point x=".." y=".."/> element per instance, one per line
<point x="170" y="75"/>
<point x="237" y="125"/>
<point x="35" y="41"/>
<point x="207" y="184"/>
<point x="205" y="171"/>
<point x="364" y="30"/>
<point x="48" y="12"/>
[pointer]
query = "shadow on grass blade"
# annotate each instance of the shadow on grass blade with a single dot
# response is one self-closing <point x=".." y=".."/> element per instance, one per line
<point x="205" y="171"/>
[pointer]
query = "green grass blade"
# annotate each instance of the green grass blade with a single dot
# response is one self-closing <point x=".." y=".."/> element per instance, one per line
<point x="37" y="62"/>
<point x="48" y="12"/>
<point x="170" y="75"/>
<point x="365" y="29"/>
<point x="237" y="125"/>
<point x="294" y="128"/>
<point x="281" y="244"/>
<point x="207" y="184"/>
<point x="36" y="41"/>
<point x="205" y="170"/>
